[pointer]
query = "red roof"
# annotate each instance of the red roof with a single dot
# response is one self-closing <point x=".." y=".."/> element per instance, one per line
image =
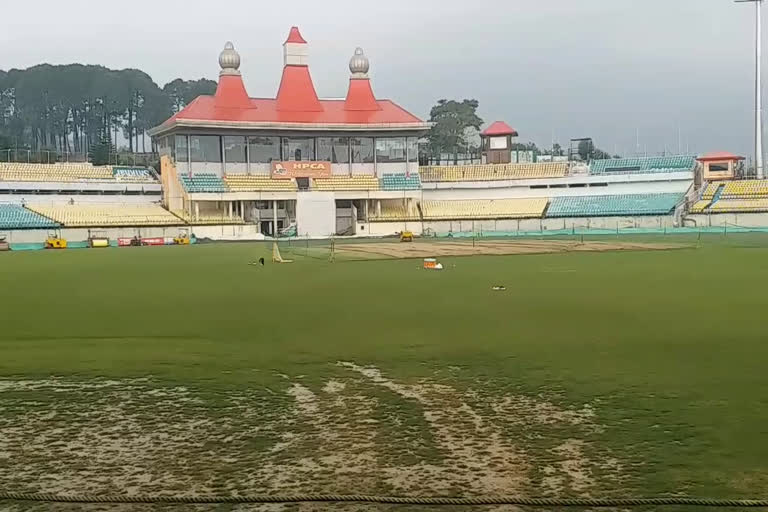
<point x="265" y="110"/>
<point x="499" y="128"/>
<point x="296" y="103"/>
<point x="719" y="155"/>
<point x="360" y="95"/>
<point x="297" y="92"/>
<point x="231" y="92"/>
<point x="294" y="36"/>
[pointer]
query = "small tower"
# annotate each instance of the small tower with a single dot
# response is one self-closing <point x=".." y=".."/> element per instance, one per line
<point x="295" y="49"/>
<point x="497" y="143"/>
<point x="231" y="92"/>
<point x="296" y="92"/>
<point x="360" y="94"/>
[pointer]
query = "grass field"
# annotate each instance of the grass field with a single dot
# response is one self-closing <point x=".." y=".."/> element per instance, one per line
<point x="186" y="370"/>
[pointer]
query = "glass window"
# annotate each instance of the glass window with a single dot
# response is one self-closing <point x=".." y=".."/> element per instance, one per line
<point x="205" y="148"/>
<point x="181" y="148"/>
<point x="390" y="150"/>
<point x="362" y="150"/>
<point x="413" y="149"/>
<point x="718" y="167"/>
<point x="234" y="149"/>
<point x="263" y="150"/>
<point x="333" y="149"/>
<point x="498" y="142"/>
<point x="298" y="148"/>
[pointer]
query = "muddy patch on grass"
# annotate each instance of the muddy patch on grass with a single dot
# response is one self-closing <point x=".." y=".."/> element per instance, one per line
<point x="361" y="432"/>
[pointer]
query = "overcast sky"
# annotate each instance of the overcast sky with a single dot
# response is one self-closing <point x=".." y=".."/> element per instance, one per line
<point x="562" y="68"/>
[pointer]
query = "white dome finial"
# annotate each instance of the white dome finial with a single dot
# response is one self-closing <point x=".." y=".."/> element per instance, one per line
<point x="229" y="60"/>
<point x="358" y="64"/>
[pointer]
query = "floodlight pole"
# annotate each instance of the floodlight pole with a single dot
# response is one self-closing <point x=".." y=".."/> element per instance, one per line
<point x="758" y="88"/>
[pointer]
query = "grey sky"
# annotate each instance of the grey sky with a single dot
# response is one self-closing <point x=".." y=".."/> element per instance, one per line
<point x="600" y="68"/>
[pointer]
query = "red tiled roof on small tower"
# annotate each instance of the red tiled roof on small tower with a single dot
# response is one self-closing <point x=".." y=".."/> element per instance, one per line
<point x="297" y="92"/>
<point x="719" y="155"/>
<point x="231" y="92"/>
<point x="360" y="94"/>
<point x="499" y="128"/>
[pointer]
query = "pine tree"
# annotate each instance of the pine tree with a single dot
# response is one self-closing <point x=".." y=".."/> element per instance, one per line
<point x="102" y="149"/>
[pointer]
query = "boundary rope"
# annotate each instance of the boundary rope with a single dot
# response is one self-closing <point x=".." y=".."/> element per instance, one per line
<point x="389" y="500"/>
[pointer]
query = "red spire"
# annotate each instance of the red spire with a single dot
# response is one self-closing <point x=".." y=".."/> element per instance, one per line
<point x="360" y="95"/>
<point x="231" y="93"/>
<point x="294" y="36"/>
<point x="297" y="92"/>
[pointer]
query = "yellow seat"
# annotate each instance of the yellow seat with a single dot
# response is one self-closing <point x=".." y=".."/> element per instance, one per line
<point x="255" y="183"/>
<point x="107" y="215"/>
<point x="361" y="182"/>
<point x="491" y="172"/>
<point x="484" y="209"/>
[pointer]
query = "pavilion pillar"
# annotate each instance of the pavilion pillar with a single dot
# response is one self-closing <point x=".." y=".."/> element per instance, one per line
<point x="274" y="219"/>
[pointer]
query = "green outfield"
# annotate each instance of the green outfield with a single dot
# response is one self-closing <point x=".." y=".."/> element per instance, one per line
<point x="187" y="370"/>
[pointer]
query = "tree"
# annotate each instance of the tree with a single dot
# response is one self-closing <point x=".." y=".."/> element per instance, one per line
<point x="588" y="151"/>
<point x="453" y="122"/>
<point x="102" y="149"/>
<point x="528" y="146"/>
<point x="67" y="108"/>
<point x="181" y="93"/>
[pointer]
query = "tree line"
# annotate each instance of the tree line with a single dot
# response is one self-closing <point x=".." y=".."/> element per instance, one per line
<point x="73" y="108"/>
<point x="69" y="108"/>
<point x="456" y="131"/>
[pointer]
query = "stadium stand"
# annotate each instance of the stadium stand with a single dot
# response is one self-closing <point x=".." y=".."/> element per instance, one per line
<point x="654" y="164"/>
<point x="107" y="215"/>
<point x="484" y="209"/>
<point x="54" y="172"/>
<point x="203" y="182"/>
<point x="741" y="196"/>
<point x="250" y="183"/>
<point x="393" y="210"/>
<point x="739" y="206"/>
<point x="133" y="175"/>
<point x="13" y="216"/>
<point x="401" y="181"/>
<point x="700" y="206"/>
<point x="597" y="206"/>
<point x="711" y="189"/>
<point x="491" y="172"/>
<point x="209" y="218"/>
<point x="745" y="189"/>
<point x="346" y="183"/>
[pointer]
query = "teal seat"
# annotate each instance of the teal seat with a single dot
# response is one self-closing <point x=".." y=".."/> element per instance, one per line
<point x="14" y="216"/>
<point x="614" y="205"/>
<point x="634" y="165"/>
<point x="400" y="181"/>
<point x="203" y="182"/>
